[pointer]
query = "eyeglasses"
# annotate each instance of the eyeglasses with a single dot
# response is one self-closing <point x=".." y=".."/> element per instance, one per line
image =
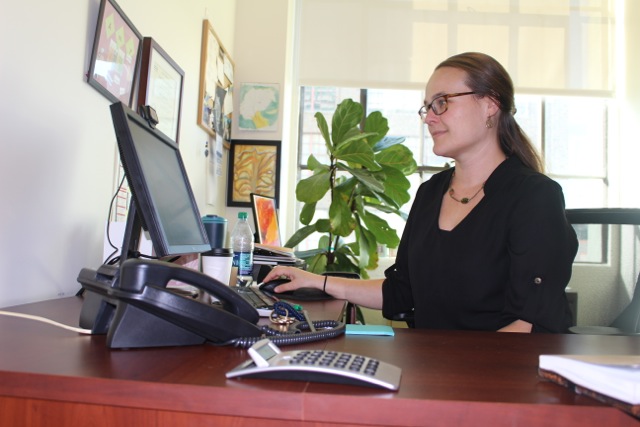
<point x="439" y="104"/>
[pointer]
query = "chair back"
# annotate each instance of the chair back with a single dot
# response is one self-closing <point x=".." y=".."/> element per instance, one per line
<point x="628" y="321"/>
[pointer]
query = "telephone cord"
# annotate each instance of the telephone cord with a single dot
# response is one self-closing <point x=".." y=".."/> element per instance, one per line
<point x="326" y="329"/>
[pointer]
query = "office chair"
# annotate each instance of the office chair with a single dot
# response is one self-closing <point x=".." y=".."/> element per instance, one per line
<point x="628" y="321"/>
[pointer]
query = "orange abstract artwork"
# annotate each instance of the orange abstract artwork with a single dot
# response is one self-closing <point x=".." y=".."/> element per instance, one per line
<point x="267" y="222"/>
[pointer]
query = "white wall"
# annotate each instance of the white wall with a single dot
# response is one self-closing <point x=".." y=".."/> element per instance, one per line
<point x="58" y="160"/>
<point x="263" y="45"/>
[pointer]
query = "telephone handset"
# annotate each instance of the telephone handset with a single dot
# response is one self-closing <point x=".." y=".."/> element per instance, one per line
<point x="135" y="309"/>
<point x="143" y="284"/>
<point x="145" y="313"/>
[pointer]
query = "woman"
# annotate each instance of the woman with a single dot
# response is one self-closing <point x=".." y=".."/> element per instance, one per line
<point x="487" y="245"/>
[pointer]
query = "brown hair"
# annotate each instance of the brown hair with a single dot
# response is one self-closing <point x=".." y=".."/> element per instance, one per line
<point x="486" y="77"/>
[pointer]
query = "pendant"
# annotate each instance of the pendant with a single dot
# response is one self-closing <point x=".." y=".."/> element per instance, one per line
<point x="464" y="200"/>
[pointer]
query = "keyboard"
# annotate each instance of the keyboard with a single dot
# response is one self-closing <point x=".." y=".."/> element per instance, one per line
<point x="258" y="299"/>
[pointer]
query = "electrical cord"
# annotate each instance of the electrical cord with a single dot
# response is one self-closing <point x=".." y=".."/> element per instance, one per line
<point x="296" y="333"/>
<point x="299" y="331"/>
<point x="45" y="320"/>
<point x="113" y="199"/>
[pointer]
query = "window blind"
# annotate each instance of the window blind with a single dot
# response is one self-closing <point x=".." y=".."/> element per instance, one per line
<point x="548" y="46"/>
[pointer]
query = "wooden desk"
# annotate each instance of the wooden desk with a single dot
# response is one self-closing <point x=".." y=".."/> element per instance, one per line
<point x="50" y="376"/>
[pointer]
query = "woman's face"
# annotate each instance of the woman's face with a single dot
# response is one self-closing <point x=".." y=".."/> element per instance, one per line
<point x="462" y="127"/>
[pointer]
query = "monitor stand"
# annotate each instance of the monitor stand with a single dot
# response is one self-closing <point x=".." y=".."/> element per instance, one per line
<point x="98" y="308"/>
<point x="126" y="326"/>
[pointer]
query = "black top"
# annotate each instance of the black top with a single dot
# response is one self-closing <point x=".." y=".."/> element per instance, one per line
<point x="509" y="259"/>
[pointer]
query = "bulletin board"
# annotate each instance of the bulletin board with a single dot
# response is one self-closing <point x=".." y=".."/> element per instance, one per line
<point x="215" y="101"/>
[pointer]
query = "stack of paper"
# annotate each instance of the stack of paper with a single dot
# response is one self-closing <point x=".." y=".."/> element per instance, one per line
<point x="275" y="255"/>
<point x="612" y="379"/>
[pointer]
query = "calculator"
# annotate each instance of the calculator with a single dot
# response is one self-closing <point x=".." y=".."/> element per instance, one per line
<point x="268" y="361"/>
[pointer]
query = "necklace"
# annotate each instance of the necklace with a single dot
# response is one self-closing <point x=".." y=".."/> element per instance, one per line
<point x="464" y="200"/>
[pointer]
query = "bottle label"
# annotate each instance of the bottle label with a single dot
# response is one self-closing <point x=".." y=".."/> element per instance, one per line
<point x="244" y="262"/>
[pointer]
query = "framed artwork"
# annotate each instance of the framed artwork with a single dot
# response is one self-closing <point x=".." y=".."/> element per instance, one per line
<point x="259" y="107"/>
<point x="215" y="102"/>
<point x="161" y="85"/>
<point x="265" y="214"/>
<point x="115" y="56"/>
<point x="254" y="167"/>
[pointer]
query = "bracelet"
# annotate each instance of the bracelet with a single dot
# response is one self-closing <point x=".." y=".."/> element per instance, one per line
<point x="325" y="283"/>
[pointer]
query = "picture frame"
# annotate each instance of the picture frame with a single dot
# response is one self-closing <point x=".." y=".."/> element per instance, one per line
<point x="161" y="87"/>
<point x="259" y="107"/>
<point x="215" y="100"/>
<point x="115" y="57"/>
<point x="254" y="167"/>
<point x="265" y="215"/>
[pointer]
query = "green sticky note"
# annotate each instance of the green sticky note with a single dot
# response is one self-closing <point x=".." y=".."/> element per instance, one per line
<point x="369" y="330"/>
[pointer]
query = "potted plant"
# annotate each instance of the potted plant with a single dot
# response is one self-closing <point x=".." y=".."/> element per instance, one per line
<point x="366" y="175"/>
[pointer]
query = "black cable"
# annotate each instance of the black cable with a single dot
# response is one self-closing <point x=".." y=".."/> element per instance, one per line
<point x="298" y="332"/>
<point x="108" y="260"/>
<point x="292" y="337"/>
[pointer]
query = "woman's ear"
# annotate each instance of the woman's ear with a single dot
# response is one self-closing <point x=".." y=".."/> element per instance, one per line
<point x="492" y="106"/>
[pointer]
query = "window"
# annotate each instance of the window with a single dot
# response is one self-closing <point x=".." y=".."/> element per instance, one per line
<point x="570" y="132"/>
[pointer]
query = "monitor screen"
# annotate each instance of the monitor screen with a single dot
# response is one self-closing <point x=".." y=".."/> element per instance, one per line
<point x="159" y="185"/>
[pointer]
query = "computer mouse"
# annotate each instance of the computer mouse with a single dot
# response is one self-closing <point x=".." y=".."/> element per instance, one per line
<point x="269" y="287"/>
<point x="300" y="294"/>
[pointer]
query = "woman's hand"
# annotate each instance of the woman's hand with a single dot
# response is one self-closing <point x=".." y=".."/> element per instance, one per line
<point x="297" y="278"/>
<point x="517" y="326"/>
<point x="367" y="293"/>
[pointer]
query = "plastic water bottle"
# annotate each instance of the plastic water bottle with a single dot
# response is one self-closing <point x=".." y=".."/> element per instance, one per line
<point x="242" y="244"/>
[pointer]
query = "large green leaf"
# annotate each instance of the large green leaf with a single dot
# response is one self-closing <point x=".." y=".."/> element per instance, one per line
<point x="312" y="189"/>
<point x="310" y="253"/>
<point x="398" y="156"/>
<point x="386" y="207"/>
<point x="300" y="235"/>
<point x="306" y="215"/>
<point x="356" y="134"/>
<point x="364" y="176"/>
<point x="317" y="264"/>
<point x="346" y="185"/>
<point x="313" y="163"/>
<point x="324" y="130"/>
<point x="381" y="229"/>
<point x="368" y="248"/>
<point x="323" y="225"/>
<point x="345" y="260"/>
<point x="378" y="124"/>
<point x="348" y="114"/>
<point x="396" y="186"/>
<point x="342" y="221"/>
<point x="359" y="152"/>
<point x="352" y="134"/>
<point x="387" y="142"/>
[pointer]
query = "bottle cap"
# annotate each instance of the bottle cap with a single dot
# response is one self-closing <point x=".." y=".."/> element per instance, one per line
<point x="242" y="215"/>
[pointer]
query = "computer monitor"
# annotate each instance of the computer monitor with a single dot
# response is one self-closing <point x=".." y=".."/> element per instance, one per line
<point x="161" y="193"/>
<point x="162" y="203"/>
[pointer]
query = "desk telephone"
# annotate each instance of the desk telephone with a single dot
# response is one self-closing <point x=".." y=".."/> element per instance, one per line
<point x="133" y="306"/>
